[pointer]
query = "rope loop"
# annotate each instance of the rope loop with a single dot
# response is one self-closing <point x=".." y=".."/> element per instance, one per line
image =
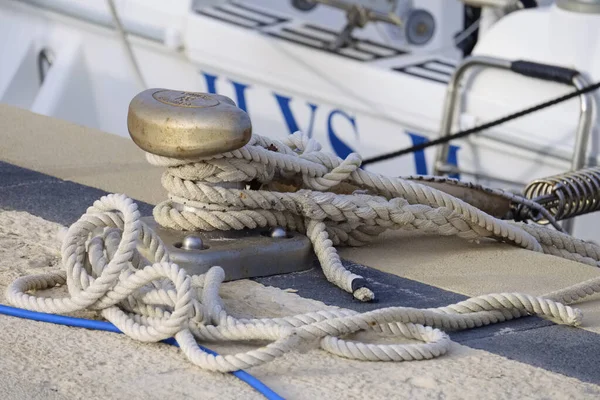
<point x="115" y="264"/>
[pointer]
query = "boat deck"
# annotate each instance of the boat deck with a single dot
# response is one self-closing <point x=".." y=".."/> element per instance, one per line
<point x="51" y="171"/>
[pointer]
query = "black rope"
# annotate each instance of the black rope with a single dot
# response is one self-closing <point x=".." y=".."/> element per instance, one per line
<point x="480" y="128"/>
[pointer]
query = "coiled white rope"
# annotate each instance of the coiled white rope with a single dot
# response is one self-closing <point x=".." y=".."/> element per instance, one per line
<point x="115" y="264"/>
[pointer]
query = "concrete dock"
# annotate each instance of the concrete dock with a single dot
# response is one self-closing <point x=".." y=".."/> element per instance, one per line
<point x="51" y="171"/>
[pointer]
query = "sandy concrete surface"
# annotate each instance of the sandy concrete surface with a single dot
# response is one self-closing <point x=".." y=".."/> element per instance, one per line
<point x="43" y="361"/>
<point x="76" y="153"/>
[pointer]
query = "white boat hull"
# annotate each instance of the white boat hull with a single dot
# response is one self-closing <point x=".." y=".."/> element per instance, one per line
<point x="369" y="108"/>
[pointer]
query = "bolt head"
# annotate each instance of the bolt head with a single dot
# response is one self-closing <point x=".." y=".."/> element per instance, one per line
<point x="192" y="243"/>
<point x="278" y="233"/>
<point x="178" y="124"/>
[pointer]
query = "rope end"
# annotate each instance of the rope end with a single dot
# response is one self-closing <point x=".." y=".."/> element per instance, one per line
<point x="364" y="294"/>
<point x="576" y="318"/>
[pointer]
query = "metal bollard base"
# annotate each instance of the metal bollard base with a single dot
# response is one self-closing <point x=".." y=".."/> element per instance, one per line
<point x="242" y="254"/>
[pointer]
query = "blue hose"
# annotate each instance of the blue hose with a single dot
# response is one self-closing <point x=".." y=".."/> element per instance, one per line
<point x="107" y="326"/>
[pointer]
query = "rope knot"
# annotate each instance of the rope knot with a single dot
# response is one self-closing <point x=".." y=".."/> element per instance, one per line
<point x="339" y="172"/>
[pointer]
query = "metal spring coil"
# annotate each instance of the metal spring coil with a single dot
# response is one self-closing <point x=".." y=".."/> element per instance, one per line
<point x="566" y="195"/>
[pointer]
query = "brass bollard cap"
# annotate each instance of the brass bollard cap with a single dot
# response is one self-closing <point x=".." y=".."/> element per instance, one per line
<point x="179" y="124"/>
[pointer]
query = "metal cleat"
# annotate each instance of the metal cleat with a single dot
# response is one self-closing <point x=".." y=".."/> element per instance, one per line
<point x="187" y="125"/>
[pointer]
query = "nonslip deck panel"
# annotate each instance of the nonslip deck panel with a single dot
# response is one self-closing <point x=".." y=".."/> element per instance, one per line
<point x="51" y="198"/>
<point x="569" y="351"/>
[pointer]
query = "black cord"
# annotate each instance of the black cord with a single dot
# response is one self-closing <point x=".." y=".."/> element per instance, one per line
<point x="480" y="128"/>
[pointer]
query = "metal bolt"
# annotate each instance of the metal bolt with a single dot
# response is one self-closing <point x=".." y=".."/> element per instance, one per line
<point x="180" y="124"/>
<point x="192" y="243"/>
<point x="278" y="233"/>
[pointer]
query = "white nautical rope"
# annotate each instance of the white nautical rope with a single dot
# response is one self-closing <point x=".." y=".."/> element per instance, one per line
<point x="202" y="198"/>
<point x="115" y="264"/>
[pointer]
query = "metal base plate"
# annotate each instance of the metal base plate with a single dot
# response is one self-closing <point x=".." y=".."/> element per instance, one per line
<point x="242" y="254"/>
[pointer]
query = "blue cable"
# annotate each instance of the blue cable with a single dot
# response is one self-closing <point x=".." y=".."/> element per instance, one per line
<point x="107" y="326"/>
